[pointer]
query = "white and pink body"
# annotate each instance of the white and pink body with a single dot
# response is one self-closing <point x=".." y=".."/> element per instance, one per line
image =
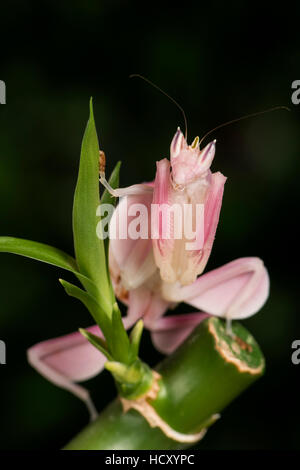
<point x="152" y="275"/>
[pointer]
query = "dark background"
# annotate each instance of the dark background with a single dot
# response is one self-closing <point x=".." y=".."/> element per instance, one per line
<point x="220" y="61"/>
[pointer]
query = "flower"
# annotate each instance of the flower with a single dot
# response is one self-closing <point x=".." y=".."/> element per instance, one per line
<point x="152" y="274"/>
<point x="186" y="181"/>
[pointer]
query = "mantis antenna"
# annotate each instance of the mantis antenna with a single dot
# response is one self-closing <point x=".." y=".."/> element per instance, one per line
<point x="242" y="118"/>
<point x="136" y="75"/>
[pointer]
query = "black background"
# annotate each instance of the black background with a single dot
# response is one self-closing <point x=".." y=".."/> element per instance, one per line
<point x="220" y="61"/>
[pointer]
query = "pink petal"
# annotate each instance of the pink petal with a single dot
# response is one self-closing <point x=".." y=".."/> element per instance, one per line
<point x="169" y="332"/>
<point x="131" y="260"/>
<point x="162" y="231"/>
<point x="70" y="359"/>
<point x="177" y="145"/>
<point x="71" y="356"/>
<point x="212" y="210"/>
<point x="236" y="290"/>
<point x="138" y="303"/>
<point x="194" y="261"/>
<point x="175" y="257"/>
<point x="156" y="308"/>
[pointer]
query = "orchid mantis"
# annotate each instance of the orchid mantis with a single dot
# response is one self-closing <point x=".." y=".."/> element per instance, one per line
<point x="152" y="275"/>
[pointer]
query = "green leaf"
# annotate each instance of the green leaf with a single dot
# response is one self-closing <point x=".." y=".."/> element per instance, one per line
<point x="38" y="251"/>
<point x="135" y="338"/>
<point x="119" y="341"/>
<point x="46" y="254"/>
<point x="99" y="315"/>
<point x="96" y="341"/>
<point x="133" y="380"/>
<point x="89" y="249"/>
<point x="122" y="373"/>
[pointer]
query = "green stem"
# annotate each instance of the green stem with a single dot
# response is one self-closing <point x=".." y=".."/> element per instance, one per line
<point x="199" y="380"/>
